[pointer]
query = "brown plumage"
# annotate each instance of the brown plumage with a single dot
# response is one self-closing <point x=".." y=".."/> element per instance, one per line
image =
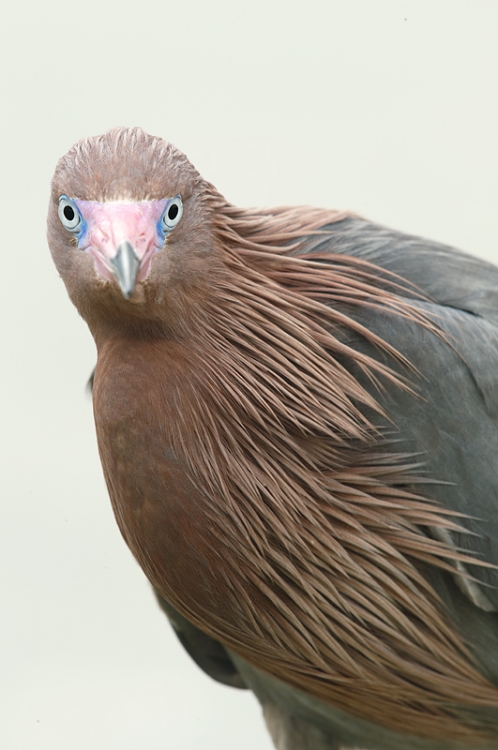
<point x="254" y="466"/>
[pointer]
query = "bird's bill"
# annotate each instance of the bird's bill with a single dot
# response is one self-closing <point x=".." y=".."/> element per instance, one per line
<point x="122" y="238"/>
<point x="125" y="265"/>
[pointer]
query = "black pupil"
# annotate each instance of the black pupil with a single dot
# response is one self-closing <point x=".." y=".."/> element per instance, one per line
<point x="172" y="212"/>
<point x="68" y="213"/>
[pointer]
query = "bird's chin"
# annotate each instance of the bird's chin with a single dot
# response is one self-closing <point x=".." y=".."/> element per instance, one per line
<point x="108" y="289"/>
<point x="138" y="296"/>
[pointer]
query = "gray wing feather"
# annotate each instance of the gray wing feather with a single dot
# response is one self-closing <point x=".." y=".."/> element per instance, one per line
<point x="450" y="277"/>
<point x="454" y="422"/>
<point x="210" y="655"/>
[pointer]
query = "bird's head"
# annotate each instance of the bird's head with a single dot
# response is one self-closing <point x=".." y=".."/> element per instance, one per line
<point x="129" y="227"/>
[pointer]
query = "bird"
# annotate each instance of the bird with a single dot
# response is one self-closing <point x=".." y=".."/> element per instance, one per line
<point x="296" y="414"/>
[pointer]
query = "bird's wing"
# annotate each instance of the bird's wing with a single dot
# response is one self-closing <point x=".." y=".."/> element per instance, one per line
<point x="207" y="653"/>
<point x="453" y="424"/>
<point x="449" y="277"/>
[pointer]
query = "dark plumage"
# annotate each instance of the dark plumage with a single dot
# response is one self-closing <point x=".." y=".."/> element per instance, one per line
<point x="296" y="414"/>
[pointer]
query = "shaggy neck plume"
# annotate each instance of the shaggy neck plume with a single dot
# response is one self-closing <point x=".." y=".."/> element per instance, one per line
<point x="282" y="442"/>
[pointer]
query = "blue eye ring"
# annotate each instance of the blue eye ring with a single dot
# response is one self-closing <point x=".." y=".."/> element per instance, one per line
<point x="70" y="216"/>
<point x="171" y="215"/>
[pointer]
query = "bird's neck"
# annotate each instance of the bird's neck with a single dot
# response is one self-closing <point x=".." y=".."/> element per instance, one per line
<point x="225" y="458"/>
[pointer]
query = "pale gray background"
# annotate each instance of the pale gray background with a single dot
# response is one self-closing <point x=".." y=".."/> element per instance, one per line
<point x="387" y="107"/>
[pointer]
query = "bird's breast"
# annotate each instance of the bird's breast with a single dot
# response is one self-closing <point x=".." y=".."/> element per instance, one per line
<point x="141" y="406"/>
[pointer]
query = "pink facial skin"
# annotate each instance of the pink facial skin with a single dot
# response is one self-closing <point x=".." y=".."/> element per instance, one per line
<point x="110" y="224"/>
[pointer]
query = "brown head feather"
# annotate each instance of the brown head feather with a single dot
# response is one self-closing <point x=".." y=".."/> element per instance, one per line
<point x="244" y="471"/>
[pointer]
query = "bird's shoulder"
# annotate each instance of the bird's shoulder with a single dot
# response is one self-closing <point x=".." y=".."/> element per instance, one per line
<point x="447" y="276"/>
<point x="452" y="423"/>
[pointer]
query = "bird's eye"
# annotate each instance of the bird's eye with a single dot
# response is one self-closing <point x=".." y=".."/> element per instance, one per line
<point x="69" y="215"/>
<point x="172" y="214"/>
